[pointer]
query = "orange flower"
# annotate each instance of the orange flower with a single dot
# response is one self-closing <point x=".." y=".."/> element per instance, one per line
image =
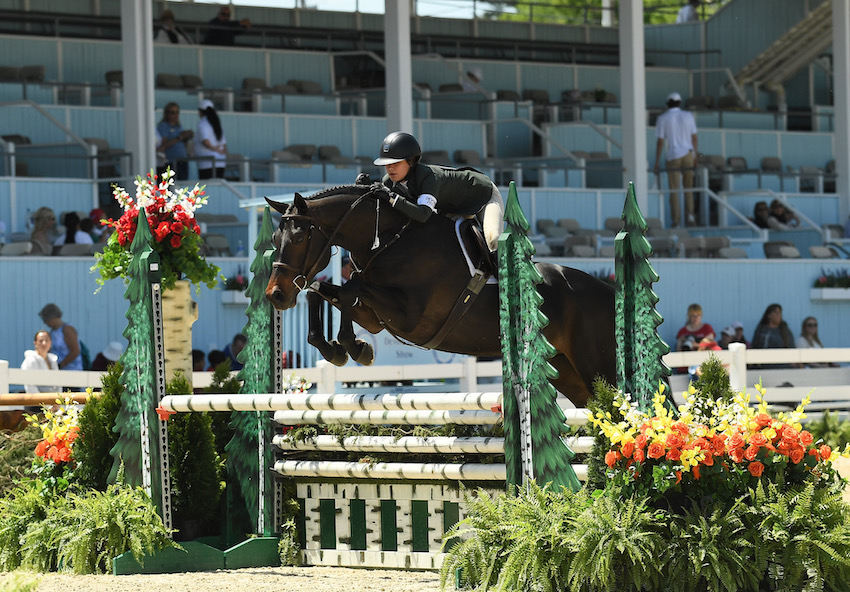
<point x="674" y="454"/>
<point x="628" y="448"/>
<point x="797" y="455"/>
<point x="718" y="442"/>
<point x="639" y="455"/>
<point x="611" y="458"/>
<point x="825" y="452"/>
<point x="695" y="471"/>
<point x="709" y="459"/>
<point x="678" y="477"/>
<point x="751" y="452"/>
<point x="41" y="449"/>
<point x="674" y="441"/>
<point x="789" y="434"/>
<point x="736" y="441"/>
<point x="806" y="438"/>
<point x="656" y="450"/>
<point x="736" y="454"/>
<point x="758" y="439"/>
<point x="681" y="428"/>
<point x="641" y="441"/>
<point x="756" y="469"/>
<point x="762" y="419"/>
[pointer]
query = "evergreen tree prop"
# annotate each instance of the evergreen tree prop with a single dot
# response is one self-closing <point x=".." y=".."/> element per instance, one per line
<point x="138" y="426"/>
<point x="640" y="367"/>
<point x="249" y="452"/>
<point x="533" y="420"/>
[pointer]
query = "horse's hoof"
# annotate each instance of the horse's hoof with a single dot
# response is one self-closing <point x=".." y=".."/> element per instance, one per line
<point x="340" y="356"/>
<point x="363" y="353"/>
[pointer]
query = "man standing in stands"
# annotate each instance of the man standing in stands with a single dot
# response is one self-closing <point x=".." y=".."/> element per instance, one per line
<point x="679" y="129"/>
<point x="688" y="13"/>
<point x="222" y="30"/>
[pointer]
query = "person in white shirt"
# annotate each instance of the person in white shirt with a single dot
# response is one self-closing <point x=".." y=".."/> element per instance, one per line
<point x="210" y="142"/>
<point x="679" y="130"/>
<point x="40" y="358"/>
<point x="73" y="234"/>
<point x="688" y="13"/>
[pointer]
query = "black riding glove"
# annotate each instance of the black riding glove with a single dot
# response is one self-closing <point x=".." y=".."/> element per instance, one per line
<point x="413" y="211"/>
<point x="363" y="179"/>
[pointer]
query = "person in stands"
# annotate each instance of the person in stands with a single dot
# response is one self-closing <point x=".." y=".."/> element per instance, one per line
<point x="211" y="144"/>
<point x="169" y="32"/>
<point x="66" y="341"/>
<point x="695" y="331"/>
<point x="73" y="233"/>
<point x="222" y="30"/>
<point x="42" y="237"/>
<point x="110" y="354"/>
<point x="420" y="190"/>
<point x="40" y="358"/>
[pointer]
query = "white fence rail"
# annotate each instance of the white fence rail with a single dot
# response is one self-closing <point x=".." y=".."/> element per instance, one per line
<point x="828" y="386"/>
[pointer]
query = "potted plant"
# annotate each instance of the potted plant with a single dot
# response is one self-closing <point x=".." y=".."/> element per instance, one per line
<point x="176" y="238"/>
<point x="831" y="285"/>
<point x="234" y="288"/>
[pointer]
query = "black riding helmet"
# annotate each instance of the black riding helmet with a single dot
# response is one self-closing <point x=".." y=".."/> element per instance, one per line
<point x="399" y="146"/>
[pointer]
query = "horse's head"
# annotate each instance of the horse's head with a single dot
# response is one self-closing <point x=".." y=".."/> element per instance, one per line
<point x="302" y="251"/>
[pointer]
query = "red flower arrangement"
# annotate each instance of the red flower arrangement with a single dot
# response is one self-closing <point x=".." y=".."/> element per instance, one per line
<point x="176" y="234"/>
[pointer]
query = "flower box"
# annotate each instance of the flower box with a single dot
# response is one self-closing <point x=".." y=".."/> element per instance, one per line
<point x="829" y="293"/>
<point x="229" y="297"/>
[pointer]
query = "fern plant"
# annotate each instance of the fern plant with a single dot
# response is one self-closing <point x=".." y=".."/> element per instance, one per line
<point x="26" y="504"/>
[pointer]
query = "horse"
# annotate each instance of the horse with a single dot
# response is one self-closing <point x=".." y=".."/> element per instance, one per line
<point x="407" y="277"/>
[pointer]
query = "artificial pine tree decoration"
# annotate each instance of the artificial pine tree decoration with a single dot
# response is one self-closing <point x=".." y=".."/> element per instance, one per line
<point x="533" y="420"/>
<point x="640" y="368"/>
<point x="249" y="452"/>
<point x="137" y="422"/>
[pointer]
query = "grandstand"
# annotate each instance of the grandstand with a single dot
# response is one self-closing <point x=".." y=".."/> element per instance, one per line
<point x="303" y="100"/>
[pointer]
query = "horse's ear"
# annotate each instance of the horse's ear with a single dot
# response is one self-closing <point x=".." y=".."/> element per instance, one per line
<point x="277" y="206"/>
<point x="299" y="202"/>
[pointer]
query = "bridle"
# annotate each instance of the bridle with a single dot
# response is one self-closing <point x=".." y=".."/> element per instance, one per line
<point x="303" y="273"/>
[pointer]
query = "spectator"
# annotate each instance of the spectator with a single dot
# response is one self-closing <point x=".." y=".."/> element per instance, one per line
<point x="110" y="354"/>
<point x="216" y="357"/>
<point x="198" y="359"/>
<point x="739" y="334"/>
<point x="222" y="30"/>
<point x="761" y="215"/>
<point x="781" y="218"/>
<point x="726" y="337"/>
<point x="169" y="32"/>
<point x="679" y="129"/>
<point x="688" y="13"/>
<point x="73" y="233"/>
<point x="66" y="342"/>
<point x="212" y="144"/>
<point x="96" y="216"/>
<point x="695" y="331"/>
<point x="472" y="80"/>
<point x="772" y="331"/>
<point x="173" y="141"/>
<point x="809" y="339"/>
<point x="42" y="233"/>
<point x="40" y="358"/>
<point x="232" y="350"/>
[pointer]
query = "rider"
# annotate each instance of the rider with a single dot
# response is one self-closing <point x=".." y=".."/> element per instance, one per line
<point x="419" y="190"/>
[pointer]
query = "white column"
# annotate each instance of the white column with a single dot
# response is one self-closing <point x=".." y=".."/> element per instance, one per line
<point x="399" y="79"/>
<point x="841" y="82"/>
<point x="633" y="99"/>
<point x="137" y="62"/>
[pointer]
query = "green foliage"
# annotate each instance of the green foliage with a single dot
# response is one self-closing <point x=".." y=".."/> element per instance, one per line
<point x="830" y="429"/>
<point x="195" y="466"/>
<point x="288" y="545"/>
<point x="601" y="401"/>
<point x="17" y="452"/>
<point x="19" y="582"/>
<point x="96" y="439"/>
<point x="713" y="383"/>
<point x="81" y="532"/>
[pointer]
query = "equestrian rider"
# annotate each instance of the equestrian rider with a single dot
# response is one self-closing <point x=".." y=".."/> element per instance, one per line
<point x="419" y="190"/>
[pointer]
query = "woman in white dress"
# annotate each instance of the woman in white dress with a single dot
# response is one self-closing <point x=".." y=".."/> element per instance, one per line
<point x="40" y="358"/>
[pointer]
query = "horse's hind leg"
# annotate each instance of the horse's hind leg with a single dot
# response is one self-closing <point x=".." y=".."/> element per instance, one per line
<point x="332" y="352"/>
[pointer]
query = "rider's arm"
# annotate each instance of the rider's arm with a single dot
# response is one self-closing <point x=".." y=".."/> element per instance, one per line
<point x="418" y="212"/>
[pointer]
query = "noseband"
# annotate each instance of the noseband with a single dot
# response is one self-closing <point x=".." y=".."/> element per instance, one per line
<point x="303" y="273"/>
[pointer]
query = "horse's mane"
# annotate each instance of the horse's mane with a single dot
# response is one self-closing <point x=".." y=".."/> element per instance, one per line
<point x="356" y="190"/>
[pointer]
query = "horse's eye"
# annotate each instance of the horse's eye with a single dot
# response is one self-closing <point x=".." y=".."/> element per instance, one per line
<point x="298" y="235"/>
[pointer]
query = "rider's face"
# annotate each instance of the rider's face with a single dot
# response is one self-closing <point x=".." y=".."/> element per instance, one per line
<point x="398" y="170"/>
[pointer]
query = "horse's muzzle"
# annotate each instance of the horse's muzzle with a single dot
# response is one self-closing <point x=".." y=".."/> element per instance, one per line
<point x="278" y="298"/>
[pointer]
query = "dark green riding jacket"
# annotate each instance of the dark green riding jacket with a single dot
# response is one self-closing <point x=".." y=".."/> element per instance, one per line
<point x="459" y="192"/>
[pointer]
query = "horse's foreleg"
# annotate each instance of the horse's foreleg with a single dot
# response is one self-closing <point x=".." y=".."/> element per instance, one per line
<point x="332" y="352"/>
<point x="346" y="299"/>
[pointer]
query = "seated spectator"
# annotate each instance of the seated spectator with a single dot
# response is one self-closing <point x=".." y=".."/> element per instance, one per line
<point x="694" y="331"/>
<point x="198" y="359"/>
<point x="726" y="337"/>
<point x="773" y="332"/>
<point x="73" y="233"/>
<point x="781" y="218"/>
<point x="809" y="339"/>
<point x="222" y="30"/>
<point x="232" y="349"/>
<point x="43" y="232"/>
<point x="110" y="354"/>
<point x="96" y="215"/>
<point x="40" y="358"/>
<point x="169" y="32"/>
<point x="761" y="214"/>
<point x="173" y="141"/>
<point x="216" y="358"/>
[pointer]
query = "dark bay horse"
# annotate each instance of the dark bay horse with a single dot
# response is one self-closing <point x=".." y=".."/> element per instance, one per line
<point x="410" y="276"/>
